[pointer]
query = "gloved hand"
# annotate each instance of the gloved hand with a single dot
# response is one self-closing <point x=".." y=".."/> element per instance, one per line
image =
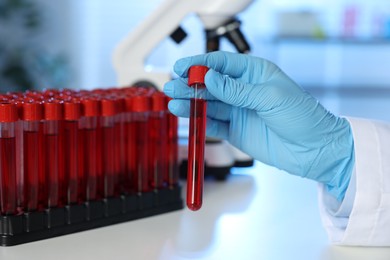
<point x="260" y="110"/>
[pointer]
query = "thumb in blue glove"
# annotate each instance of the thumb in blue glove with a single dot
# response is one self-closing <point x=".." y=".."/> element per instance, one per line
<point x="260" y="110"/>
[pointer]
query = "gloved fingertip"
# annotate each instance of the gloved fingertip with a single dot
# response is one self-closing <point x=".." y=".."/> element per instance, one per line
<point x="179" y="108"/>
<point x="169" y="88"/>
<point x="211" y="76"/>
<point x="172" y="106"/>
<point x="213" y="80"/>
<point x="181" y="67"/>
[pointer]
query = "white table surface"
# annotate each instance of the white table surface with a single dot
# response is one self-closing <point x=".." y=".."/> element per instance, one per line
<point x="258" y="213"/>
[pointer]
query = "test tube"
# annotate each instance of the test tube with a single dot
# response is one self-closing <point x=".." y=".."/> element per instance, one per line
<point x="197" y="137"/>
<point x="8" y="118"/>
<point x="157" y="141"/>
<point x="31" y="116"/>
<point x="120" y="145"/>
<point x="108" y="147"/>
<point x="19" y="101"/>
<point x="130" y="143"/>
<point x="138" y="107"/>
<point x="51" y="178"/>
<point x="72" y="114"/>
<point x="172" y="150"/>
<point x="88" y="141"/>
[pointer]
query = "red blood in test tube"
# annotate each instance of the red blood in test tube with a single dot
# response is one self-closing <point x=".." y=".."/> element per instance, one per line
<point x="32" y="114"/>
<point x="108" y="148"/>
<point x="19" y="150"/>
<point x="157" y="141"/>
<point x="197" y="138"/>
<point x="81" y="169"/>
<point x="137" y="143"/>
<point x="8" y="118"/>
<point x="119" y="145"/>
<point x="51" y="140"/>
<point x="129" y="143"/>
<point x="100" y="184"/>
<point x="89" y="142"/>
<point x="72" y="114"/>
<point x="172" y="150"/>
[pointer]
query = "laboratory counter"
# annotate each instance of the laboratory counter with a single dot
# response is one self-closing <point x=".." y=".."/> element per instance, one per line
<point x="258" y="213"/>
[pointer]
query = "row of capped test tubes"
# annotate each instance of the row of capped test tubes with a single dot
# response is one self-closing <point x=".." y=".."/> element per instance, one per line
<point x="63" y="147"/>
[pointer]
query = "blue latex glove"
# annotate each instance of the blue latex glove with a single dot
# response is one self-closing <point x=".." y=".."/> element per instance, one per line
<point x="260" y="110"/>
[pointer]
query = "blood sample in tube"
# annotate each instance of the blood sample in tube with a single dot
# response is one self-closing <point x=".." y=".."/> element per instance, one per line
<point x="8" y="118"/>
<point x="89" y="138"/>
<point x="51" y="135"/>
<point x="129" y="143"/>
<point x="108" y="147"/>
<point x="197" y="138"/>
<point x="119" y="146"/>
<point x="157" y="141"/>
<point x="137" y="142"/>
<point x="172" y="150"/>
<point x="31" y="116"/>
<point x="72" y="114"/>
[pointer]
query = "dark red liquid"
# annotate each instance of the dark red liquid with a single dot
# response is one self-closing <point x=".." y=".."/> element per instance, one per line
<point x="99" y="163"/>
<point x="62" y="180"/>
<point x="19" y="163"/>
<point x="108" y="162"/>
<point x="89" y="157"/>
<point x="71" y="160"/>
<point x="42" y="192"/>
<point x="81" y="174"/>
<point x="119" y="158"/>
<point x="172" y="177"/>
<point x="130" y="160"/>
<point x="8" y="175"/>
<point x="137" y="154"/>
<point x="196" y="146"/>
<point x="51" y="168"/>
<point x="31" y="172"/>
<point x="157" y="150"/>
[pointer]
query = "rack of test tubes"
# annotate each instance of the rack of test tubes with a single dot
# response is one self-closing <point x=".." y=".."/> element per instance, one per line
<point x="76" y="160"/>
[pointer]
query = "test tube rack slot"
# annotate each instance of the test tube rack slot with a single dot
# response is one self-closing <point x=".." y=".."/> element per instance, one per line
<point x="33" y="226"/>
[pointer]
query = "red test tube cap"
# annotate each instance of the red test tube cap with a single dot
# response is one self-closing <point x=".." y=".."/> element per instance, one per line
<point x="196" y="74"/>
<point x="5" y="98"/>
<point x="72" y="110"/>
<point x="8" y="112"/>
<point x="138" y="104"/>
<point x="90" y="107"/>
<point x="52" y="110"/>
<point x="109" y="107"/>
<point x="32" y="111"/>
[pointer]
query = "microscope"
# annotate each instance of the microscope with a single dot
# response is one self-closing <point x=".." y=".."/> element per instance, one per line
<point x="218" y="19"/>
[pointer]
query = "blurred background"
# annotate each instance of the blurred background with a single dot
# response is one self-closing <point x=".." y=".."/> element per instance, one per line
<point x="336" y="49"/>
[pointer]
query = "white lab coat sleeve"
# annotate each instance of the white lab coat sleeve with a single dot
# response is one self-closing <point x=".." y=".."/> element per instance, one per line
<point x="363" y="218"/>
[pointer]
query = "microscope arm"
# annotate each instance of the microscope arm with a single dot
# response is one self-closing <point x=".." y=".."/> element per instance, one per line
<point x="130" y="55"/>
